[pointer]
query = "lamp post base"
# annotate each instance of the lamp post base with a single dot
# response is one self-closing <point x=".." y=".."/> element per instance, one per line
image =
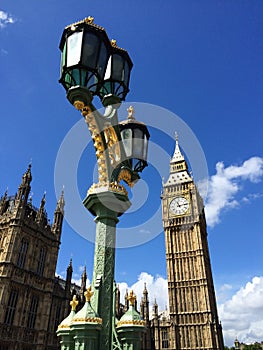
<point x="106" y="206"/>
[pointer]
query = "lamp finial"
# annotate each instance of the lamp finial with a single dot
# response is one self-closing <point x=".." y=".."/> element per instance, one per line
<point x="88" y="294"/>
<point x="113" y="42"/>
<point x="132" y="298"/>
<point x="74" y="303"/>
<point x="89" y="20"/>
<point x="130" y="111"/>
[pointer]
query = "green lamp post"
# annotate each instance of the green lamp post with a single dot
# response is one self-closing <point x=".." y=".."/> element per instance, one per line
<point x="92" y="65"/>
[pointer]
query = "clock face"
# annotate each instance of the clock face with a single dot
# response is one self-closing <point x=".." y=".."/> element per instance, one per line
<point x="179" y="205"/>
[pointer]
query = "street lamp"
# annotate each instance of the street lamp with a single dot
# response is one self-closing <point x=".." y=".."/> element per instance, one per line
<point x="92" y="65"/>
<point x="117" y="76"/>
<point x="85" y="53"/>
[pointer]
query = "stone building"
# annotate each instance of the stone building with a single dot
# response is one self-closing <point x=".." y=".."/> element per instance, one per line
<point x="33" y="301"/>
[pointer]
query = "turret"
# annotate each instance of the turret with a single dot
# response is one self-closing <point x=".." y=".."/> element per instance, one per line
<point x="41" y="214"/>
<point x="63" y="331"/>
<point x="237" y="344"/>
<point x="86" y="325"/>
<point x="83" y="284"/>
<point x="58" y="215"/>
<point x="68" y="279"/>
<point x="155" y="310"/>
<point x="126" y="298"/>
<point x="131" y="327"/>
<point x="3" y="203"/>
<point x="117" y="301"/>
<point x="144" y="309"/>
<point x="155" y="328"/>
<point x="24" y="188"/>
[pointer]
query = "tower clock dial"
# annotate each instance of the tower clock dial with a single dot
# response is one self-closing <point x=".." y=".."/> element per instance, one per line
<point x="179" y="205"/>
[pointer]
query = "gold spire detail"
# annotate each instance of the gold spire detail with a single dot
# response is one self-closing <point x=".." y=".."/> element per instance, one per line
<point x="74" y="303"/>
<point x="88" y="294"/>
<point x="132" y="298"/>
<point x="113" y="43"/>
<point x="131" y="112"/>
<point x="89" y="20"/>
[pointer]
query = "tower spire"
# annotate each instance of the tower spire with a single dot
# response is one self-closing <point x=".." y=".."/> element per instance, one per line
<point x="3" y="202"/>
<point x="59" y="214"/>
<point x="24" y="188"/>
<point x="61" y="202"/>
<point x="145" y="304"/>
<point x="69" y="277"/>
<point x="177" y="156"/>
<point x="83" y="283"/>
<point x="41" y="212"/>
<point x="178" y="167"/>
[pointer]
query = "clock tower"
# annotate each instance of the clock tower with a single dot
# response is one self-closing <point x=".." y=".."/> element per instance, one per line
<point x="192" y="302"/>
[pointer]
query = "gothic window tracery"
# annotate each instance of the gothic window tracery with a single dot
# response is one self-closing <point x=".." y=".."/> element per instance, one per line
<point x="11" y="307"/>
<point x="41" y="261"/>
<point x="32" y="314"/>
<point x="21" y="259"/>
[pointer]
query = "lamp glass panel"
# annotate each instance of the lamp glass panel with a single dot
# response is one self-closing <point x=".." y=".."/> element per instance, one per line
<point x="108" y="69"/>
<point x="117" y="68"/>
<point x="90" y="51"/>
<point x="138" y="144"/>
<point x="126" y="136"/>
<point x="102" y="61"/>
<point x="145" y="147"/>
<point x="126" y="73"/>
<point x="74" y="48"/>
<point x="63" y="57"/>
<point x="76" y="77"/>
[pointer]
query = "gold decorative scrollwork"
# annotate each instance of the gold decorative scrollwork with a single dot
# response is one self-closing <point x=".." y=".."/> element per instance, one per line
<point x="125" y="175"/>
<point x="131" y="323"/>
<point x="111" y="186"/>
<point x="97" y="139"/>
<point x="112" y="143"/>
<point x="88" y="319"/>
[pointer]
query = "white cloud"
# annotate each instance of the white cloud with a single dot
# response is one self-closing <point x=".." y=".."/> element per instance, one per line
<point x="242" y="315"/>
<point x="5" y="18"/>
<point x="226" y="183"/>
<point x="225" y="287"/>
<point x="156" y="286"/>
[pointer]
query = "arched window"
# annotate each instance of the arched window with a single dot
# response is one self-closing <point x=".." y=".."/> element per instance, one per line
<point x="11" y="307"/>
<point x="41" y="261"/>
<point x="21" y="259"/>
<point x="32" y="314"/>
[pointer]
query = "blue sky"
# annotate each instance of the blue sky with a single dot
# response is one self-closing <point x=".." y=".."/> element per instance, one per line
<point x="200" y="60"/>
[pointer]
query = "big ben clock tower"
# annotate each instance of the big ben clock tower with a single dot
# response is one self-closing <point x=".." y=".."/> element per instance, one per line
<point x="192" y="302"/>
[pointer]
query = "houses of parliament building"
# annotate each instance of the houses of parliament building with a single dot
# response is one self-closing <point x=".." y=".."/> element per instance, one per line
<point x="34" y="300"/>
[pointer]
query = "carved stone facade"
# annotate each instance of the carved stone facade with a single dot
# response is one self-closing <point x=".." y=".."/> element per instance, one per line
<point x="192" y="322"/>
<point x="33" y="301"/>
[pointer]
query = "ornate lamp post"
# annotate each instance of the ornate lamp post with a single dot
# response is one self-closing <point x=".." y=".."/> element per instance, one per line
<point x="92" y="65"/>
